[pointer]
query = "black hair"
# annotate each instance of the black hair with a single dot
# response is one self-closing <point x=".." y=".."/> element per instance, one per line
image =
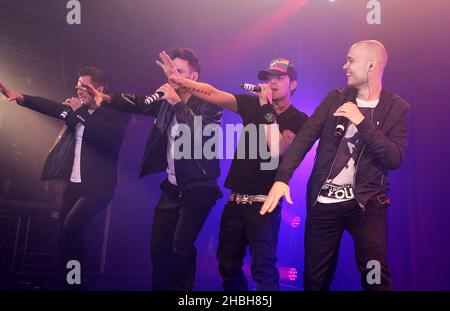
<point x="97" y="75"/>
<point x="188" y="55"/>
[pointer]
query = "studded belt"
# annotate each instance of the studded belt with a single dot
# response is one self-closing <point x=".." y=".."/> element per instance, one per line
<point x="245" y="198"/>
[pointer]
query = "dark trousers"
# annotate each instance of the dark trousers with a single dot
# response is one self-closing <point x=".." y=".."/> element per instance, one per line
<point x="243" y="226"/>
<point x="325" y="224"/>
<point x="80" y="207"/>
<point x="177" y="221"/>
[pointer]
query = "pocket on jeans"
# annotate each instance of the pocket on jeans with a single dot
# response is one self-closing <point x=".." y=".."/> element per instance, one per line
<point x="383" y="200"/>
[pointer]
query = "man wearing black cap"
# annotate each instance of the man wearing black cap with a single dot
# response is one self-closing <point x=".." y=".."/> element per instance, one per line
<point x="275" y="119"/>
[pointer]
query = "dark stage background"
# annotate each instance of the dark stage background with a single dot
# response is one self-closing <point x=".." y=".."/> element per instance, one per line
<point x="39" y="55"/>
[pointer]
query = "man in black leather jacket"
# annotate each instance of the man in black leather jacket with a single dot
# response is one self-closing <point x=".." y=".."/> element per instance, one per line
<point x="85" y="155"/>
<point x="190" y="190"/>
<point x="348" y="186"/>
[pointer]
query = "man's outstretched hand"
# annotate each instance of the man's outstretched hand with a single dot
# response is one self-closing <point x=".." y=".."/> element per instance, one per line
<point x="10" y="94"/>
<point x="279" y="190"/>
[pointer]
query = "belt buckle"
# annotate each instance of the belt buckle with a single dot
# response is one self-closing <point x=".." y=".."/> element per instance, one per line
<point x="243" y="199"/>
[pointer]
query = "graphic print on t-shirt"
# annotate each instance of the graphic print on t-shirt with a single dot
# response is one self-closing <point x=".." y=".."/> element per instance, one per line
<point x="339" y="186"/>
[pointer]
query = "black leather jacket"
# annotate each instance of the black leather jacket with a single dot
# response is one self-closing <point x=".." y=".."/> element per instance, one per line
<point x="384" y="134"/>
<point x="189" y="173"/>
<point x="102" y="138"/>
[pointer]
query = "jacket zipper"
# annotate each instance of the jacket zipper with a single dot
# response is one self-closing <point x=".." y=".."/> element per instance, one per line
<point x="329" y="173"/>
<point x="354" y="180"/>
<point x="363" y="209"/>
<point x="201" y="167"/>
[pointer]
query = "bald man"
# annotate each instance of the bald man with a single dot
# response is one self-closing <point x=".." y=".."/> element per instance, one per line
<point x="348" y="186"/>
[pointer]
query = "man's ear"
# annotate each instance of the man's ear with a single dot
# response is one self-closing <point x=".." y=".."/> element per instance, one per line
<point x="194" y="76"/>
<point x="293" y="85"/>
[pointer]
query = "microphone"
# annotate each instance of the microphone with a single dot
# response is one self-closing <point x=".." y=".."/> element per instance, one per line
<point x="251" y="87"/>
<point x="67" y="109"/>
<point x="350" y="96"/>
<point x="152" y="98"/>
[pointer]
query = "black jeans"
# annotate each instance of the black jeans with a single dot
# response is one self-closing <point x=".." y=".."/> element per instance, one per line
<point x="177" y="221"/>
<point x="325" y="224"/>
<point x="243" y="226"/>
<point x="80" y="207"/>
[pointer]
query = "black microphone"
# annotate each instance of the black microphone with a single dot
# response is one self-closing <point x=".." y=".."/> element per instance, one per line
<point x="350" y="96"/>
<point x="152" y="98"/>
<point x="67" y="109"/>
<point x="251" y="87"/>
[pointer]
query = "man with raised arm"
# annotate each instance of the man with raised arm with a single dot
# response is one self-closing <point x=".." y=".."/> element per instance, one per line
<point x="275" y="122"/>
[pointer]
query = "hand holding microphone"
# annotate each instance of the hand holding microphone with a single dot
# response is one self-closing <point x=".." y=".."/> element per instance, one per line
<point x="251" y="87"/>
<point x="263" y="91"/>
<point x="70" y="104"/>
<point x="154" y="97"/>
<point x="167" y="92"/>
<point x="67" y="109"/>
<point x="348" y="112"/>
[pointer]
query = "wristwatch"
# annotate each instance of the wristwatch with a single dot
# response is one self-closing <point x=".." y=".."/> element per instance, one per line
<point x="269" y="114"/>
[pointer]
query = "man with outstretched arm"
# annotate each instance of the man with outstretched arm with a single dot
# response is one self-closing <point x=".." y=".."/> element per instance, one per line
<point x="85" y="155"/>
<point x="272" y="117"/>
<point x="190" y="190"/>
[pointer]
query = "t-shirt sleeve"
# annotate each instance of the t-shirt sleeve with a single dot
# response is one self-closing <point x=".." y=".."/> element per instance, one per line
<point x="296" y="121"/>
<point x="247" y="106"/>
<point x="302" y="118"/>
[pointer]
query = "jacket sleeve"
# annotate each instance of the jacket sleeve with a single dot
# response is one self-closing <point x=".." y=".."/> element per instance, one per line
<point x="42" y="105"/>
<point x="211" y="114"/>
<point x="305" y="139"/>
<point x="105" y="130"/>
<point x="133" y="103"/>
<point x="388" y="149"/>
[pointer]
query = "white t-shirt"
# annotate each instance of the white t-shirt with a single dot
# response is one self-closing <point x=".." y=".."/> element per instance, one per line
<point x="75" y="177"/>
<point x="171" y="135"/>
